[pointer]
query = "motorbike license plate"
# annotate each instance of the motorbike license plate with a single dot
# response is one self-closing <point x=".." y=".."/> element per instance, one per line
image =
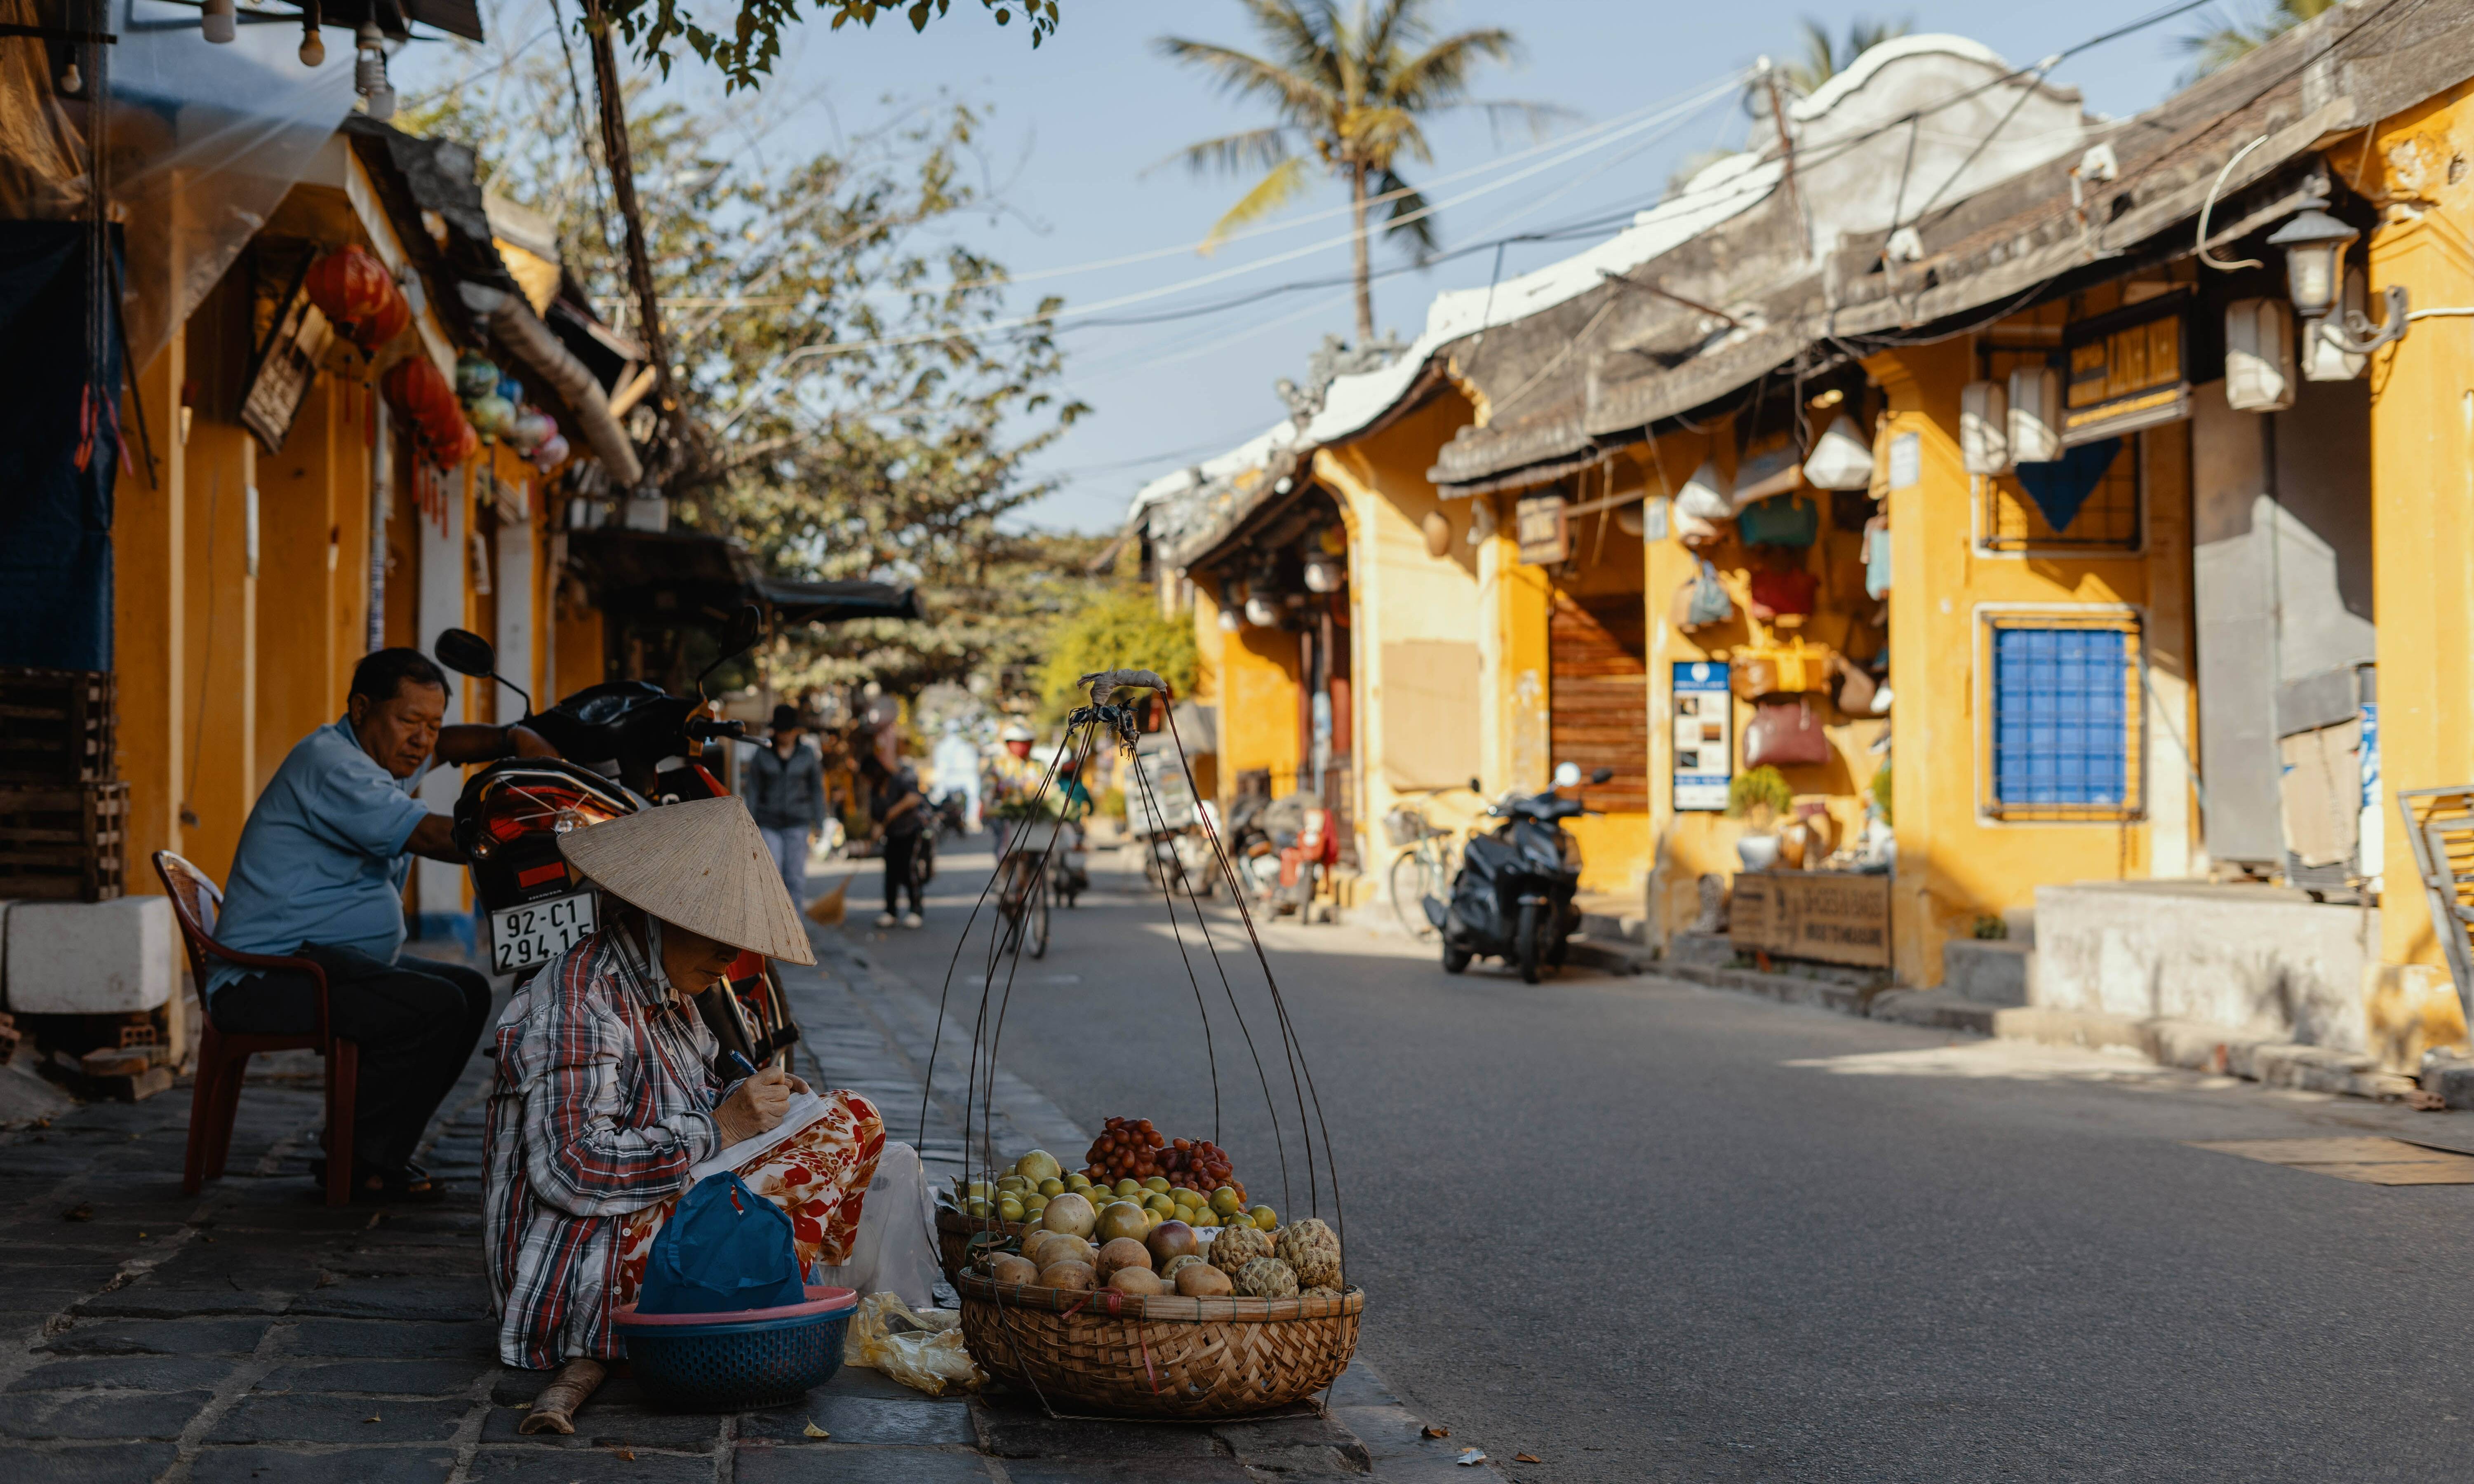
<point x="520" y="937"/>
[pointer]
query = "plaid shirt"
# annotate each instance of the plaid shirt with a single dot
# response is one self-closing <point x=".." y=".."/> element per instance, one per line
<point x="601" y="1106"/>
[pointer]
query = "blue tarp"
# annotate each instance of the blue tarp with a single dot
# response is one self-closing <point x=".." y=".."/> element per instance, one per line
<point x="59" y="448"/>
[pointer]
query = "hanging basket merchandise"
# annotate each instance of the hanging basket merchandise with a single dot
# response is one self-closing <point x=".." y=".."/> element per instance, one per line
<point x="1153" y="1277"/>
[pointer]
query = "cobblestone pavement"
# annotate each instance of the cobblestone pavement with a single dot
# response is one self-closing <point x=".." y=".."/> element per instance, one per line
<point x="251" y="1333"/>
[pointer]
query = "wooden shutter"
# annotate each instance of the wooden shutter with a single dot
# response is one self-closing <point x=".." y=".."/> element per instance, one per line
<point x="1598" y="700"/>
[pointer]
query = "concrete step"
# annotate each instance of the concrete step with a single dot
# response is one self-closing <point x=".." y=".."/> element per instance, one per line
<point x="1990" y="971"/>
<point x="1607" y="954"/>
<point x="1939" y="1009"/>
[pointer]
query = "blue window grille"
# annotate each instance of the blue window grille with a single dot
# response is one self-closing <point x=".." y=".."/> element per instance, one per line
<point x="2064" y="719"/>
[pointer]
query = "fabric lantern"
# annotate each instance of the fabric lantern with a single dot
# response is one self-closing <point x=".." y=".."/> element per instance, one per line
<point x="1983" y="427"/>
<point x="415" y="388"/>
<point x="393" y="319"/>
<point x="2035" y="415"/>
<point x="491" y="416"/>
<point x="477" y="377"/>
<point x="528" y="429"/>
<point x="461" y="447"/>
<point x="2259" y="355"/>
<point x="1437" y="529"/>
<point x="1704" y="496"/>
<point x="551" y="453"/>
<point x="1841" y="459"/>
<point x="348" y="286"/>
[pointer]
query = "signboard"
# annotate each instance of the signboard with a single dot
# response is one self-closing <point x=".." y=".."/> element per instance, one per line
<point x="1906" y="460"/>
<point x="1169" y="795"/>
<point x="2126" y="371"/>
<point x="1546" y="536"/>
<point x="1705" y="743"/>
<point x="286" y="366"/>
<point x="1836" y="917"/>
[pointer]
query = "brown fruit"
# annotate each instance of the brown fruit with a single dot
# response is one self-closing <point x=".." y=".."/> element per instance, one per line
<point x="1202" y="1281"/>
<point x="1121" y="1218"/>
<point x="1007" y="1268"/>
<point x="1172" y="1239"/>
<point x="1137" y="1280"/>
<point x="1067" y="1275"/>
<point x="1123" y="1253"/>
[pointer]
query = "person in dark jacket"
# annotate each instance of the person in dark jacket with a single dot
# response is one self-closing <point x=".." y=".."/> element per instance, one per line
<point x="901" y="814"/>
<point x="784" y="785"/>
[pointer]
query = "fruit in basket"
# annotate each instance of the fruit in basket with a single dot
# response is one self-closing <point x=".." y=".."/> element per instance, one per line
<point x="1226" y="1201"/>
<point x="1052" y="1186"/>
<point x="1078" y="1180"/>
<point x="1267" y="1278"/>
<point x="1132" y="1149"/>
<point x="1157" y="1185"/>
<point x="1068" y="1274"/>
<point x="1236" y="1246"/>
<point x="1172" y="1239"/>
<point x="1312" y="1248"/>
<point x="1160" y="1204"/>
<point x="1265" y="1218"/>
<point x="1121" y="1218"/>
<point x="1038" y="1166"/>
<point x="1123" y="1253"/>
<point x="1047" y="1248"/>
<point x="1127" y="1189"/>
<point x="1007" y="1268"/>
<point x="1071" y="1215"/>
<point x="1140" y="1282"/>
<point x="1202" y="1281"/>
<point x="1169" y="1270"/>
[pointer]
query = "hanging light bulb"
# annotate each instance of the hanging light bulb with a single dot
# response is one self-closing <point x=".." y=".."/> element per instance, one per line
<point x="219" y="21"/>
<point x="314" y="46"/>
<point x="370" y="72"/>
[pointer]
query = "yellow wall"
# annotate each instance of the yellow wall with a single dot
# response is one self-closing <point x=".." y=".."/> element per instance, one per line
<point x="2422" y="542"/>
<point x="1954" y="865"/>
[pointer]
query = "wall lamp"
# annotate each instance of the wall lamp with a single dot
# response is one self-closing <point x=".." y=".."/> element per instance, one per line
<point x="2315" y="247"/>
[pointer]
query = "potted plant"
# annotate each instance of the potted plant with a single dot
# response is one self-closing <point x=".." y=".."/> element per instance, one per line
<point x="1759" y="796"/>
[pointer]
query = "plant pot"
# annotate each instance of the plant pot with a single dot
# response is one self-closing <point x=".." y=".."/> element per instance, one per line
<point x="1758" y="852"/>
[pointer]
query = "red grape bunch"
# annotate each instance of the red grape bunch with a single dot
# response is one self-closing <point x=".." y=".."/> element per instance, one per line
<point x="1131" y="1149"/>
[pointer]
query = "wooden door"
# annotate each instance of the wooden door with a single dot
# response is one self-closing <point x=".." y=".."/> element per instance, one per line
<point x="1598" y="696"/>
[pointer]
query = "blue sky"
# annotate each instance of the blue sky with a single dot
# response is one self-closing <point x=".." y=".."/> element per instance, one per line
<point x="1076" y="128"/>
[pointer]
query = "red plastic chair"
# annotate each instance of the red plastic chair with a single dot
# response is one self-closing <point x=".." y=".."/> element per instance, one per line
<point x="222" y="1061"/>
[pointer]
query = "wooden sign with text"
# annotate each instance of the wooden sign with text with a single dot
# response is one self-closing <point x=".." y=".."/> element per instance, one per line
<point x="1836" y="917"/>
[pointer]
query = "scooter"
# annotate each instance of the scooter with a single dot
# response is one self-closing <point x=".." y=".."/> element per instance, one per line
<point x="623" y="746"/>
<point x="953" y="814"/>
<point x="1512" y="897"/>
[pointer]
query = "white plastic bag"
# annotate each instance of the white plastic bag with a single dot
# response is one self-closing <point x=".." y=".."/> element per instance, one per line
<point x="895" y="1248"/>
<point x="921" y="1348"/>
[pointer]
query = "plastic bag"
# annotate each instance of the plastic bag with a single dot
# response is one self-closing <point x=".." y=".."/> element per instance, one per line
<point x="724" y="1250"/>
<point x="895" y="1248"/>
<point x="1701" y="603"/>
<point x="922" y="1348"/>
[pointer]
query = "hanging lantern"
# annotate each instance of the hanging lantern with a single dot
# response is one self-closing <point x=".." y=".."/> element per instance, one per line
<point x="530" y="429"/>
<point x="475" y="376"/>
<point x="491" y="415"/>
<point x="550" y="452"/>
<point x="1324" y="573"/>
<point x="355" y="290"/>
<point x="1229" y="622"/>
<point x="393" y="319"/>
<point x="2315" y="247"/>
<point x="414" y="385"/>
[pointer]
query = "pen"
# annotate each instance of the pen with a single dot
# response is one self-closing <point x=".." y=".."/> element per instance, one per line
<point x="745" y="1064"/>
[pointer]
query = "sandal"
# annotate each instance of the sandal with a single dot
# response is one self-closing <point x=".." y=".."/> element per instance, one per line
<point x="408" y="1183"/>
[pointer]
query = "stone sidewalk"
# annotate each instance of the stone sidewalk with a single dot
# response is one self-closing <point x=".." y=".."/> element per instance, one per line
<point x="251" y="1333"/>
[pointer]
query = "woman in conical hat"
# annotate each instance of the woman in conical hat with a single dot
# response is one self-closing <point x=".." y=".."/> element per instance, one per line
<point x="607" y="1095"/>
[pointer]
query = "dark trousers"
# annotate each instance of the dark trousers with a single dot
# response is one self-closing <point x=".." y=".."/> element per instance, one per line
<point x="414" y="1022"/>
<point x="901" y="870"/>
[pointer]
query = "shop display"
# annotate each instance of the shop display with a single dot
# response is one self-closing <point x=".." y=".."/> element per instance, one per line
<point x="1841" y="456"/>
<point x="1782" y="520"/>
<point x="1701" y="602"/>
<point x="1784" y="732"/>
<point x="1780" y="595"/>
<point x="1704" y="495"/>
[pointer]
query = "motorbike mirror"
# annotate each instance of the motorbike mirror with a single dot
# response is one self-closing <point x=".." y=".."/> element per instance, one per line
<point x="737" y="637"/>
<point x="1602" y="774"/>
<point x="466" y="653"/>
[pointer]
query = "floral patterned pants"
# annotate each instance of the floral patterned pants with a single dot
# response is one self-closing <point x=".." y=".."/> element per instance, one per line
<point x="818" y="1177"/>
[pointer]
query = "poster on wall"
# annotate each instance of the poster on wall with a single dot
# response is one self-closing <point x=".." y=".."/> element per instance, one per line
<point x="1705" y="747"/>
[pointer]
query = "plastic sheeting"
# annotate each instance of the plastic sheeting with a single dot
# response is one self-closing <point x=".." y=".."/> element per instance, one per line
<point x="229" y="129"/>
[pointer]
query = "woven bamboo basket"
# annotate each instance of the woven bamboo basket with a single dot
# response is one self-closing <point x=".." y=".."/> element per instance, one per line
<point x="953" y="1234"/>
<point x="1173" y="1357"/>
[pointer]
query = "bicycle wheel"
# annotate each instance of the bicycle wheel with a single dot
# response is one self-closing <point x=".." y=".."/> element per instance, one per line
<point x="1408" y="883"/>
<point x="1036" y="920"/>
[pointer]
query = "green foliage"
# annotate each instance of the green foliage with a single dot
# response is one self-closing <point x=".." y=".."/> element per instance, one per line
<point x="1990" y="929"/>
<point x="2223" y="44"/>
<point x="1349" y="94"/>
<point x="1762" y="787"/>
<point x="655" y="27"/>
<point x="1881" y="794"/>
<point x="1118" y="628"/>
<point x="1824" y="59"/>
<point x="845" y="423"/>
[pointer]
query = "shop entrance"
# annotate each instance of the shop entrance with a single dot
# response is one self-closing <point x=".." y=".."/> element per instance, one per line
<point x="1598" y="693"/>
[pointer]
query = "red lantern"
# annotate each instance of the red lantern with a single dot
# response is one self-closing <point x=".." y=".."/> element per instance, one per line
<point x="355" y="290"/>
<point x="415" y="387"/>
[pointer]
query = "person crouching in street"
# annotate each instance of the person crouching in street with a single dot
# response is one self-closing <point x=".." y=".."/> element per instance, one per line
<point x="901" y="814"/>
<point x="607" y="1097"/>
<point x="785" y="787"/>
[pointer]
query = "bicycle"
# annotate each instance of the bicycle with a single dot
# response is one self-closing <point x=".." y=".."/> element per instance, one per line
<point x="1429" y="857"/>
<point x="1022" y="904"/>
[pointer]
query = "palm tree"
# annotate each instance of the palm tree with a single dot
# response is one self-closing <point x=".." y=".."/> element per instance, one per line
<point x="1823" y="60"/>
<point x="2229" y="41"/>
<point x="1350" y="92"/>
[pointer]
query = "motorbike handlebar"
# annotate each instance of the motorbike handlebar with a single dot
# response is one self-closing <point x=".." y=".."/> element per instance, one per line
<point x="706" y="730"/>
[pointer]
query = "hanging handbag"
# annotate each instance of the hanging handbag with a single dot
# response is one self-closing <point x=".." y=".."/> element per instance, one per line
<point x="1876" y="558"/>
<point x="1755" y="671"/>
<point x="1701" y="603"/>
<point x="1787" y="594"/>
<point x="1782" y="520"/>
<point x="1855" y="687"/>
<point x="1784" y="732"/>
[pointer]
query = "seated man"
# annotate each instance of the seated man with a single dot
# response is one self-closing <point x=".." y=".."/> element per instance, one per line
<point x="320" y="876"/>
<point x="607" y="1100"/>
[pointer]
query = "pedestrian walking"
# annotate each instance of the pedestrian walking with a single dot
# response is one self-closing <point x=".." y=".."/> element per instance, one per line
<point x="784" y="784"/>
<point x="901" y="814"/>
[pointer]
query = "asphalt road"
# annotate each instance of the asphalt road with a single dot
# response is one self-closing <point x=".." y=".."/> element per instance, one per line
<point x="1644" y="1230"/>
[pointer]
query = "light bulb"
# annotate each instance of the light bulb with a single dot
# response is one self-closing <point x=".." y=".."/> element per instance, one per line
<point x="219" y="21"/>
<point x="314" y="49"/>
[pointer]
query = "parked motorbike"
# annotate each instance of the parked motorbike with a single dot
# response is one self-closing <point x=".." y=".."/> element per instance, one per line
<point x="953" y="814"/>
<point x="623" y="746"/>
<point x="1512" y="897"/>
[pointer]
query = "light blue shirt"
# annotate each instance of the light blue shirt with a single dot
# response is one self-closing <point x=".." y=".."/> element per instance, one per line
<point x="321" y="860"/>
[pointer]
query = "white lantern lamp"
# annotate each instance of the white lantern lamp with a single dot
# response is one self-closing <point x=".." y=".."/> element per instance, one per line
<point x="2315" y="247"/>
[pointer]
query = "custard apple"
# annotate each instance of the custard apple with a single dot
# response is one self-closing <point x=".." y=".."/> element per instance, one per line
<point x="1313" y="1249"/>
<point x="1267" y="1278"/>
<point x="1322" y="1293"/>
<point x="1236" y="1246"/>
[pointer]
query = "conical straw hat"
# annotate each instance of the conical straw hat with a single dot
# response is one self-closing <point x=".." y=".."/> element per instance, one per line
<point x="700" y="864"/>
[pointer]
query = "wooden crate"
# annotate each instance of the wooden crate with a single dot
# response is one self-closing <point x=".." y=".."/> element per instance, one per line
<point x="64" y="843"/>
<point x="55" y="725"/>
